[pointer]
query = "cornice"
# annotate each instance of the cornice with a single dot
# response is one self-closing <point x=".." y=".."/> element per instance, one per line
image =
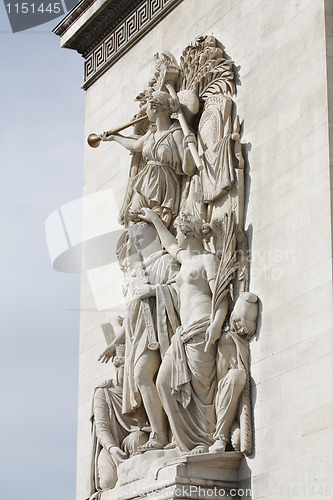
<point x="76" y="12"/>
<point x="109" y="16"/>
<point x="104" y="30"/>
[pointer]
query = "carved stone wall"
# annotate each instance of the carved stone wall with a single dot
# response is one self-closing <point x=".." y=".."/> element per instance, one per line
<point x="282" y="57"/>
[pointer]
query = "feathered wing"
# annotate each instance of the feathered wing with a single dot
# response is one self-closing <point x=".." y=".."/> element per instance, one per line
<point x="228" y="264"/>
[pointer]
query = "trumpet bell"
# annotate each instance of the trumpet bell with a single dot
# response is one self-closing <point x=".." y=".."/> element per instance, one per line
<point x="94" y="140"/>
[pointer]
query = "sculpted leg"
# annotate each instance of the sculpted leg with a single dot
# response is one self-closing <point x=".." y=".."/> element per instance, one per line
<point x="145" y="371"/>
<point x="182" y="428"/>
<point x="228" y="393"/>
<point x="107" y="470"/>
<point x="133" y="442"/>
<point x="192" y="423"/>
<point x="164" y="387"/>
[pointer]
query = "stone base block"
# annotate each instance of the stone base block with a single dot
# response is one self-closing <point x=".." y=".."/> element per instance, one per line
<point x="164" y="474"/>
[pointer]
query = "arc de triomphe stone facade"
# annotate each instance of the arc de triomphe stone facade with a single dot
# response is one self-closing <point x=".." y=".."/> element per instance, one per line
<point x="209" y="299"/>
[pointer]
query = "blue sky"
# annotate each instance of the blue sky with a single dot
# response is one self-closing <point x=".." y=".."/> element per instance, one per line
<point x="41" y="161"/>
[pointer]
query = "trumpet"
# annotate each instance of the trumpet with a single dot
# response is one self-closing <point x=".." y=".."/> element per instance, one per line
<point x="94" y="139"/>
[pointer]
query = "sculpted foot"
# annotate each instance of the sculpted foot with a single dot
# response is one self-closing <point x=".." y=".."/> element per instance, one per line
<point x="154" y="443"/>
<point x="170" y="446"/>
<point x="219" y="445"/>
<point x="199" y="449"/>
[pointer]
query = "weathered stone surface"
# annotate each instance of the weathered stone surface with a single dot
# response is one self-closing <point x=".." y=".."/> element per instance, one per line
<point x="283" y="100"/>
<point x="159" y="474"/>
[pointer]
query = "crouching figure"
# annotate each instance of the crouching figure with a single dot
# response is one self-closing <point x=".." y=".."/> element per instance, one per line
<point x="232" y="401"/>
<point x="115" y="436"/>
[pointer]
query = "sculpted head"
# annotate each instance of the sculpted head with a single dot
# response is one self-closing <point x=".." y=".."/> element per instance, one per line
<point x="191" y="226"/>
<point x="145" y="237"/>
<point x="243" y="319"/>
<point x="162" y="101"/>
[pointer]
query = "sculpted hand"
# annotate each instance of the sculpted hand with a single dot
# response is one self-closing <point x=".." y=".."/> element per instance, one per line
<point x="107" y="354"/>
<point x="148" y="215"/>
<point x="213" y="333"/>
<point x="106" y="137"/>
<point x="117" y="454"/>
<point x="143" y="290"/>
<point x="190" y="138"/>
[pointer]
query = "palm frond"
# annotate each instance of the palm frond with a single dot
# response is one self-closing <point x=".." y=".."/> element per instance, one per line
<point x="228" y="264"/>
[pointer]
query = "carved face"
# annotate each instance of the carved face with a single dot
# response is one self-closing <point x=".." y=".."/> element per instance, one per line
<point x="244" y="315"/>
<point x="237" y="323"/>
<point x="151" y="113"/>
<point x="181" y="238"/>
<point x="159" y="103"/>
<point x="143" y="236"/>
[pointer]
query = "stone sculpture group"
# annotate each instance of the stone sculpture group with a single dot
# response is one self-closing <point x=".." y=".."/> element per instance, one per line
<point x="181" y="349"/>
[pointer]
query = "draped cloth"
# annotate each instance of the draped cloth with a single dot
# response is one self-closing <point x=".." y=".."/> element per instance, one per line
<point x="189" y="399"/>
<point x="159" y="181"/>
<point x="233" y="405"/>
<point x="162" y="270"/>
<point x="218" y="174"/>
<point x="109" y="428"/>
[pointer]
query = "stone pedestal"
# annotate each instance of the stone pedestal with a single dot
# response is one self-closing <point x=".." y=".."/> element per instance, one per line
<point x="166" y="475"/>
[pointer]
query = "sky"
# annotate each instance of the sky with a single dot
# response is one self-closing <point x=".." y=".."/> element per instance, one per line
<point x="41" y="162"/>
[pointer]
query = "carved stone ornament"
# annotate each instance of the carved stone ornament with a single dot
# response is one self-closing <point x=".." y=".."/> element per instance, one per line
<point x="103" y="38"/>
<point x="184" y="388"/>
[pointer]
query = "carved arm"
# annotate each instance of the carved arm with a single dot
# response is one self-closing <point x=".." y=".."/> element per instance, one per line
<point x="167" y="239"/>
<point x="130" y="143"/>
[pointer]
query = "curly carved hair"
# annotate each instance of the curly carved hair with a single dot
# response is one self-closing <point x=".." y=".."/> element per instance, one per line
<point x="190" y="225"/>
<point x="163" y="101"/>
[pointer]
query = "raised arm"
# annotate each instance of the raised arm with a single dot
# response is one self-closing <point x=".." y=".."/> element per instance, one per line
<point x="132" y="144"/>
<point x="188" y="164"/>
<point x="167" y="239"/>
